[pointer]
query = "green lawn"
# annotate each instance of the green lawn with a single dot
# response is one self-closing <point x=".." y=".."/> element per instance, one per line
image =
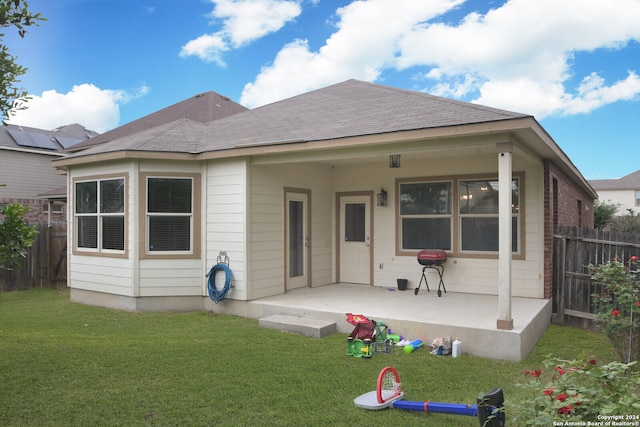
<point x="69" y="364"/>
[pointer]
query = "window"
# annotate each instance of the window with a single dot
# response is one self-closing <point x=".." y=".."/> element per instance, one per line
<point x="99" y="214"/>
<point x="478" y="209"/>
<point x="354" y="222"/>
<point x="55" y="207"/>
<point x="458" y="215"/>
<point x="169" y="211"/>
<point x="637" y="197"/>
<point x="426" y="215"/>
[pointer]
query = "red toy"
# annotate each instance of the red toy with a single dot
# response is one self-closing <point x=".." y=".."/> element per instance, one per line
<point x="360" y="343"/>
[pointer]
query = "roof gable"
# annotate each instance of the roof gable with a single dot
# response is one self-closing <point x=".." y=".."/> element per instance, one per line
<point x="351" y="108"/>
<point x="203" y="108"/>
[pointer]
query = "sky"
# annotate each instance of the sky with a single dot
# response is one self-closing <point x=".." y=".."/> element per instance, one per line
<point x="573" y="64"/>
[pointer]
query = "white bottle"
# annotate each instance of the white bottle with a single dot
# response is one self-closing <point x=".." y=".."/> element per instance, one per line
<point x="456" y="347"/>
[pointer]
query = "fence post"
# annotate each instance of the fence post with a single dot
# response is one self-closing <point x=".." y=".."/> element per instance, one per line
<point x="562" y="264"/>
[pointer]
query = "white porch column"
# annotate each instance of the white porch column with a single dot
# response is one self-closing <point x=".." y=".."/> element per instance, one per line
<point x="505" y="321"/>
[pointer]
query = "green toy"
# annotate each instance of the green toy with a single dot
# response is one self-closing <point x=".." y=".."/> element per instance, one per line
<point x="362" y="342"/>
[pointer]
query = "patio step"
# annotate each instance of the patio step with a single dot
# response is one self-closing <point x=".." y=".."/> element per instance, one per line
<point x="300" y="325"/>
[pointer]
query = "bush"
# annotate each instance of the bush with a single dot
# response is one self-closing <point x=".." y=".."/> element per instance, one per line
<point x="603" y="213"/>
<point x="629" y="223"/>
<point x="618" y="305"/>
<point x="576" y="390"/>
<point x="15" y="235"/>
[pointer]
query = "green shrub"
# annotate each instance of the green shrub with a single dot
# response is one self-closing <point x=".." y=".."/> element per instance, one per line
<point x="618" y="305"/>
<point x="576" y="390"/>
<point x="15" y="235"/>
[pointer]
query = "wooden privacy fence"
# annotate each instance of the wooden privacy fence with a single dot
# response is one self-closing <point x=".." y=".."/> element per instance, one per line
<point x="574" y="249"/>
<point x="45" y="265"/>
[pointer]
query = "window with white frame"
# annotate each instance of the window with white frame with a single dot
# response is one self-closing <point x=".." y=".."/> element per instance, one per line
<point x="100" y="214"/>
<point x="637" y="197"/>
<point x="169" y="213"/>
<point x="458" y="215"/>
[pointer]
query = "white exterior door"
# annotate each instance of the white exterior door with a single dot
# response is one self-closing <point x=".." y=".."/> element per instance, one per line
<point x="355" y="239"/>
<point x="296" y="239"/>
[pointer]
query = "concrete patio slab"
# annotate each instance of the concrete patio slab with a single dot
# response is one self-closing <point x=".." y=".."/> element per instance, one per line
<point x="470" y="317"/>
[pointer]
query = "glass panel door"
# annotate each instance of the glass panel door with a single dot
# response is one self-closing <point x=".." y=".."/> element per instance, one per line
<point x="355" y="239"/>
<point x="297" y="239"/>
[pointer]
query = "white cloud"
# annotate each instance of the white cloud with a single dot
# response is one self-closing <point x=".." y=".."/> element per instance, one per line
<point x="208" y="48"/>
<point x="364" y="44"/>
<point x="516" y="56"/>
<point x="244" y="21"/>
<point x="94" y="108"/>
<point x="520" y="53"/>
<point x="593" y="93"/>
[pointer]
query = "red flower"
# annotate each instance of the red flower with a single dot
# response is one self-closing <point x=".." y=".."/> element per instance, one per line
<point x="562" y="397"/>
<point x="547" y="392"/>
<point x="633" y="258"/>
<point x="638" y="304"/>
<point x="560" y="370"/>
<point x="565" y="409"/>
<point x="615" y="313"/>
<point x="593" y="361"/>
<point x="535" y="373"/>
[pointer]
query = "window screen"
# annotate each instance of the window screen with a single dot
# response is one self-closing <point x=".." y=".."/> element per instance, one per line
<point x="169" y="214"/>
<point x="99" y="214"/>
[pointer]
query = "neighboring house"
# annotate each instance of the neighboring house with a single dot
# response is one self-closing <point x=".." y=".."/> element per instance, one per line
<point x="25" y="168"/>
<point x="624" y="192"/>
<point x="345" y="184"/>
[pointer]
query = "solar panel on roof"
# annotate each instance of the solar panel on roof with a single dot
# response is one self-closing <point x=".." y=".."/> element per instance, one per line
<point x="21" y="137"/>
<point x="43" y="141"/>
<point x="67" y="142"/>
<point x="32" y="139"/>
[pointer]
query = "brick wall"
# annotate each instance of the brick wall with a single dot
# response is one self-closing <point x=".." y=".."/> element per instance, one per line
<point x="37" y="213"/>
<point x="565" y="203"/>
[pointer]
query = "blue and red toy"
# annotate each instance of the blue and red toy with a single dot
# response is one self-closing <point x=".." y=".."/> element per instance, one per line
<point x="388" y="393"/>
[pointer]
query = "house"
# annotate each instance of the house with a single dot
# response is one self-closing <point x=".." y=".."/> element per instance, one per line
<point x="25" y="167"/>
<point x="345" y="184"/>
<point x="624" y="192"/>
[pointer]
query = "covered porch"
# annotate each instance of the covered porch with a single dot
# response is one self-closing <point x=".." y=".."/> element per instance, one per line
<point x="471" y="317"/>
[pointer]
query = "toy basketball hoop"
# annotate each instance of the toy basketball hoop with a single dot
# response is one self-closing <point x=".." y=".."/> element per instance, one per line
<point x="388" y="393"/>
<point x="388" y="390"/>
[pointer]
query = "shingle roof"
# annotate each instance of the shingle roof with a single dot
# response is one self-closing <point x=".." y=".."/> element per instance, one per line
<point x="351" y="108"/>
<point x="628" y="182"/>
<point x="204" y="107"/>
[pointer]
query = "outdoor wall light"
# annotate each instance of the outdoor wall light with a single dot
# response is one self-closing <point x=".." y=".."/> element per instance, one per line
<point x="382" y="197"/>
<point x="394" y="161"/>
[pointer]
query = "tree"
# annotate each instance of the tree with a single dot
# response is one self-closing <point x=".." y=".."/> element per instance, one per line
<point x="15" y="235"/>
<point x="603" y="213"/>
<point x="628" y="223"/>
<point x="13" y="13"/>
